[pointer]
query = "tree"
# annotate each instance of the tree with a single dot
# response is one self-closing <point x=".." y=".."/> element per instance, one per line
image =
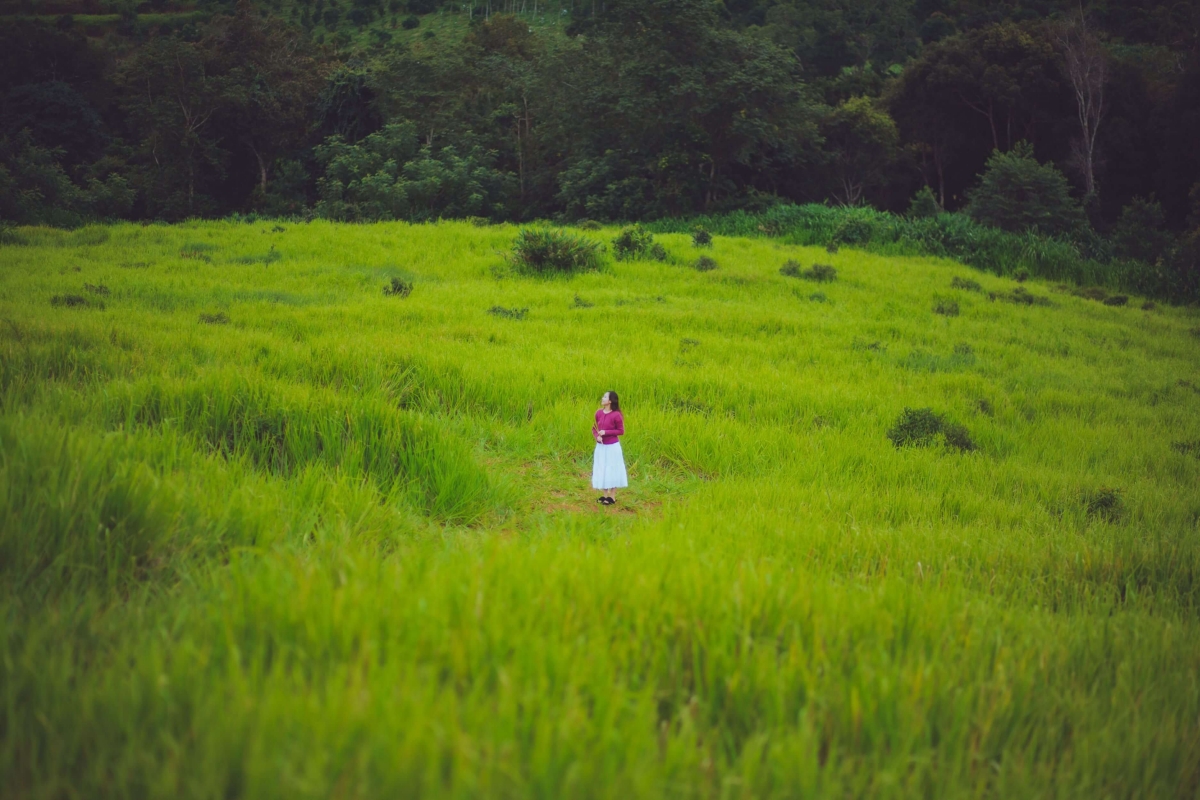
<point x="1086" y="67"/>
<point x="1016" y="193"/>
<point x="861" y="142"/>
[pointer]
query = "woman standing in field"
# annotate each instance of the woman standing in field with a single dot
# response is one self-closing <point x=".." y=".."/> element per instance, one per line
<point x="608" y="463"/>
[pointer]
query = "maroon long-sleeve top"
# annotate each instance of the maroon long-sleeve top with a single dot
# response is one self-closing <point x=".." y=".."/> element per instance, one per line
<point x="612" y="423"/>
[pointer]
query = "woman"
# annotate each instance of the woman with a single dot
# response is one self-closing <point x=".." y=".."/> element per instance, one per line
<point x="608" y="464"/>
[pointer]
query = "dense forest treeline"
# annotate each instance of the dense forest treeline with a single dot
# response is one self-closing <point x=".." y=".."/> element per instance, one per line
<point x="1075" y="123"/>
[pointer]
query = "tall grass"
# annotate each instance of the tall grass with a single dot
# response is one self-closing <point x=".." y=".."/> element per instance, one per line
<point x="343" y="544"/>
<point x="953" y="236"/>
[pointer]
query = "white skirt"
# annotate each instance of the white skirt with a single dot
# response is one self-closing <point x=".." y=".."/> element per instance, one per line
<point x="608" y="467"/>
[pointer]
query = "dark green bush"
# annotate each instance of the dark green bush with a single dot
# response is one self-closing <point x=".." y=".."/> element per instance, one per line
<point x="75" y="301"/>
<point x="1020" y="296"/>
<point x="589" y="225"/>
<point x="635" y="242"/>
<point x="821" y="273"/>
<point x="965" y="284"/>
<point x="545" y="252"/>
<point x="704" y="264"/>
<point x="701" y="238"/>
<point x="97" y="288"/>
<point x="924" y="204"/>
<point x="508" y="313"/>
<point x="947" y="308"/>
<point x="920" y="427"/>
<point x="1116" y="300"/>
<point x="1016" y="193"/>
<point x="411" y="22"/>
<point x="398" y="288"/>
<point x="581" y="303"/>
<point x="1104" y="503"/>
<point x="790" y="269"/>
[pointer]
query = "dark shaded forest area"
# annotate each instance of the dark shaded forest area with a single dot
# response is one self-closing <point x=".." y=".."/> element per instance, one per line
<point x="1076" y="124"/>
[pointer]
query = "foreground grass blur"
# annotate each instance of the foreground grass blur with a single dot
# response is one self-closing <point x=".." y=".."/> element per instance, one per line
<point x="268" y="531"/>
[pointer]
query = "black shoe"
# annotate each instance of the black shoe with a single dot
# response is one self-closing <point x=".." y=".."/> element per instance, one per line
<point x="608" y="501"/>
<point x="601" y="499"/>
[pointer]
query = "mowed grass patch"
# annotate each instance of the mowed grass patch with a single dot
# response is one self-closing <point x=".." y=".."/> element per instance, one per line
<point x="344" y="542"/>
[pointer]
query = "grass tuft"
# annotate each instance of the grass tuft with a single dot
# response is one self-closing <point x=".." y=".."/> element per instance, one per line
<point x="545" y="251"/>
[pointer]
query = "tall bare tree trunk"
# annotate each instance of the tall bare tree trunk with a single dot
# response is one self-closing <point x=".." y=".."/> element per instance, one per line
<point x="1087" y="68"/>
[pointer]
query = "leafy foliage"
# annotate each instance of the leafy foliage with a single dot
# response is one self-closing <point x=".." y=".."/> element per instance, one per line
<point x="546" y="251"/>
<point x="1016" y="193"/>
<point x="921" y="427"/>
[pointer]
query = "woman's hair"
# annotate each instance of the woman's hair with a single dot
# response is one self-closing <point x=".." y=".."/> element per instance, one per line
<point x="614" y="400"/>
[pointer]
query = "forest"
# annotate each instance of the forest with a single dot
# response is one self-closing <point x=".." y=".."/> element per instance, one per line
<point x="1074" y="126"/>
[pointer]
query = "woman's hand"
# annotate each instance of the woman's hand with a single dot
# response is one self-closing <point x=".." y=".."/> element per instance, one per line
<point x="599" y="433"/>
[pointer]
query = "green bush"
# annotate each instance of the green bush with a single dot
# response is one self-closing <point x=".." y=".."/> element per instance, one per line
<point x="821" y="273"/>
<point x="508" y="313"/>
<point x="947" y="308"/>
<point x="701" y="238"/>
<point x="545" y="251"/>
<point x="398" y="288"/>
<point x="791" y="268"/>
<point x="921" y="427"/>
<point x="636" y="242"/>
<point x="704" y="264"/>
<point x="1016" y="193"/>
<point x="965" y="284"/>
<point x="411" y="22"/>
<point x="923" y="205"/>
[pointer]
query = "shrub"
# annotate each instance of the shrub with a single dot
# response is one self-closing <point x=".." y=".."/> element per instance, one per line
<point x="1016" y="193"/>
<point x="818" y="297"/>
<point x="704" y="264"/>
<point x="1021" y="275"/>
<point x="637" y="242"/>
<point x="821" y="273"/>
<point x="1141" y="233"/>
<point x="96" y="288"/>
<point x="589" y="225"/>
<point x="790" y="268"/>
<point x="10" y="236"/>
<point x="75" y="301"/>
<point x="947" y="308"/>
<point x="1149" y="305"/>
<point x="924" y="205"/>
<point x="508" y="313"/>
<point x="1187" y="448"/>
<point x="581" y="303"/>
<point x="701" y="238"/>
<point x="1104" y="503"/>
<point x="1116" y="300"/>
<point x="1020" y="296"/>
<point x="965" y="284"/>
<point x="544" y="252"/>
<point x="398" y="288"/>
<point x="832" y="248"/>
<point x="984" y="406"/>
<point x="220" y="318"/>
<point x="919" y="427"/>
<point x="411" y="22"/>
<point x="1092" y="293"/>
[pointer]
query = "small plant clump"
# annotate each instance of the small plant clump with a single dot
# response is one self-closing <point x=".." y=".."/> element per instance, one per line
<point x="1116" y="300"/>
<point x="588" y="225"/>
<point x="1149" y="305"/>
<point x="1187" y="448"/>
<point x="966" y="284"/>
<point x="1104" y="503"/>
<point x="820" y="273"/>
<point x="637" y="242"/>
<point x="508" y="313"/>
<point x="220" y="318"/>
<point x="547" y="252"/>
<point x="921" y="427"/>
<point x="701" y="238"/>
<point x="1020" y="296"/>
<point x="704" y="264"/>
<point x="75" y="301"/>
<point x="581" y="303"/>
<point x="269" y="257"/>
<point x="1092" y="293"/>
<point x="831" y="248"/>
<point x="398" y="288"/>
<point x="947" y="308"/>
<point x="96" y="288"/>
<point x="1021" y="275"/>
<point x="818" y="297"/>
<point x="984" y="406"/>
<point x="411" y="22"/>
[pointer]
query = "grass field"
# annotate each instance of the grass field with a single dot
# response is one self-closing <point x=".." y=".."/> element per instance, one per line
<point x="266" y="531"/>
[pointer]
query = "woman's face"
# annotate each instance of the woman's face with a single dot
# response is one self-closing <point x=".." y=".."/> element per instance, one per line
<point x="604" y="401"/>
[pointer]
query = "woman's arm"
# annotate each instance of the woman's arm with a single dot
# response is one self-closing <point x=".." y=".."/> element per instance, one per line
<point x="619" y="430"/>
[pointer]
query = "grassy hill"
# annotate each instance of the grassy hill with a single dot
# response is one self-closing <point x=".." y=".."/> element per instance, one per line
<point x="267" y="531"/>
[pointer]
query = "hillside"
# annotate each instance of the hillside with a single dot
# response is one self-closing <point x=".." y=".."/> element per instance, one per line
<point x="266" y="530"/>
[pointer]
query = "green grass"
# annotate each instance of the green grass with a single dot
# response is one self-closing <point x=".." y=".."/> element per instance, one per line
<point x="267" y="531"/>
